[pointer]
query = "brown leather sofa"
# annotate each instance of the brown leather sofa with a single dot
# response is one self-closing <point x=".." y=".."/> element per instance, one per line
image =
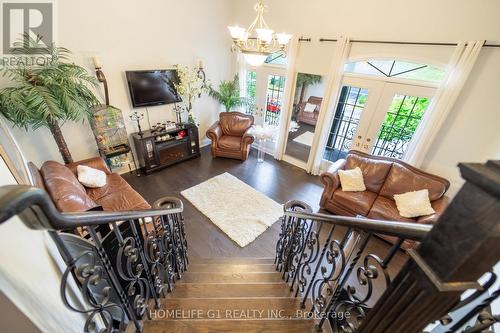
<point x="383" y="178"/>
<point x="69" y="196"/>
<point x="310" y="118"/>
<point x="231" y="135"/>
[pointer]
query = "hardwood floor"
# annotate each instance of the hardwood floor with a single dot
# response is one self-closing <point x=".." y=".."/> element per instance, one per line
<point x="278" y="180"/>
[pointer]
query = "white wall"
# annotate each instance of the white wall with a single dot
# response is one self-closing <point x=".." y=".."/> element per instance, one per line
<point x="128" y="35"/>
<point x="471" y="131"/>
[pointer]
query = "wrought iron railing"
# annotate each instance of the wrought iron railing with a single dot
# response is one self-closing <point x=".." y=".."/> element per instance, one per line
<point x="329" y="264"/>
<point x="126" y="260"/>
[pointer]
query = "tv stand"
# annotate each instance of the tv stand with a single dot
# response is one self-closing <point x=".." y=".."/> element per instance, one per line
<point x="157" y="150"/>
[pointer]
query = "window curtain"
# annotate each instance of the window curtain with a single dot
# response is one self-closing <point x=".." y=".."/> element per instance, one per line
<point x="333" y="87"/>
<point x="459" y="68"/>
<point x="287" y="99"/>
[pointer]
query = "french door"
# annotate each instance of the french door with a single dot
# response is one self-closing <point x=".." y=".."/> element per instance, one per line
<point x="376" y="117"/>
<point x="265" y="87"/>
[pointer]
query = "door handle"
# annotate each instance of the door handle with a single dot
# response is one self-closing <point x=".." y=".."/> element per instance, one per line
<point x="368" y="140"/>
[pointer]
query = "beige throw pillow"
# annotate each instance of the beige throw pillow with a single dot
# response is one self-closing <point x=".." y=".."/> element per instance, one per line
<point x="91" y="177"/>
<point x="352" y="180"/>
<point x="310" y="107"/>
<point x="414" y="204"/>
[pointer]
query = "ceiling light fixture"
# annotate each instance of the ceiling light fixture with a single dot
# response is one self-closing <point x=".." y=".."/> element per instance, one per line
<point x="258" y="41"/>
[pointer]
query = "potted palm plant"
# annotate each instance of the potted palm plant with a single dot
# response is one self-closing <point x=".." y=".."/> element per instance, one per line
<point x="228" y="94"/>
<point x="305" y="80"/>
<point x="46" y="96"/>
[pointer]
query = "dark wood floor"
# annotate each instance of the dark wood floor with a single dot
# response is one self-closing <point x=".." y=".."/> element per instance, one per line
<point x="278" y="180"/>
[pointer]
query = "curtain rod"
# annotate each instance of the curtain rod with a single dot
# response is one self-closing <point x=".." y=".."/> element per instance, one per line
<point x="402" y="43"/>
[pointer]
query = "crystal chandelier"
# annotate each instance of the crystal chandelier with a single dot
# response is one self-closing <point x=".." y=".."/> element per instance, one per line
<point x="257" y="48"/>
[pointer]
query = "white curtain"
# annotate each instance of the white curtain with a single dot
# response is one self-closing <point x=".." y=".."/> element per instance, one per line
<point x="460" y="66"/>
<point x="333" y="87"/>
<point x="287" y="99"/>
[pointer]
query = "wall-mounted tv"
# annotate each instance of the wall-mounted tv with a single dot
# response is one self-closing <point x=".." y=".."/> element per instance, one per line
<point x="152" y="87"/>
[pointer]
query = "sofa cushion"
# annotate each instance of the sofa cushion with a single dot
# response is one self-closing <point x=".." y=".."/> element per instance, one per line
<point x="402" y="179"/>
<point x="414" y="204"/>
<point x="65" y="189"/>
<point x="357" y="202"/>
<point x="117" y="195"/>
<point x="234" y="124"/>
<point x="352" y="180"/>
<point x="374" y="171"/>
<point x="385" y="209"/>
<point x="229" y="142"/>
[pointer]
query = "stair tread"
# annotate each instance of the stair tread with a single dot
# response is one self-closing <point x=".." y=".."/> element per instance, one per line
<point x="225" y="290"/>
<point x="231" y="260"/>
<point x="230" y="277"/>
<point x="242" y="326"/>
<point x="230" y="308"/>
<point x="231" y="268"/>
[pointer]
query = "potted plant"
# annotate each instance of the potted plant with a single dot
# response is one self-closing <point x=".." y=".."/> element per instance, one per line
<point x="228" y="94"/>
<point x="189" y="87"/>
<point x="305" y="80"/>
<point x="45" y="96"/>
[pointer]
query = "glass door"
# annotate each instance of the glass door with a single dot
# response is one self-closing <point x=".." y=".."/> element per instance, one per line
<point x="357" y="104"/>
<point x="396" y="120"/>
<point x="377" y="118"/>
<point x="265" y="88"/>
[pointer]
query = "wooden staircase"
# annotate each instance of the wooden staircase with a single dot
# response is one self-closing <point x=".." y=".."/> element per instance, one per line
<point x="230" y="295"/>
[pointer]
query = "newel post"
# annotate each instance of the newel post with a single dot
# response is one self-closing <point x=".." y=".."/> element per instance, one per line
<point x="461" y="247"/>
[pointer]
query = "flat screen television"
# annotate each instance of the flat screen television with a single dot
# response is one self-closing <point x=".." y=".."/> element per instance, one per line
<point x="152" y="87"/>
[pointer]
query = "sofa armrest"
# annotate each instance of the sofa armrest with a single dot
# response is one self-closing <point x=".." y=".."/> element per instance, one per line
<point x="214" y="132"/>
<point x="248" y="138"/>
<point x="439" y="206"/>
<point x="94" y="162"/>
<point x="331" y="180"/>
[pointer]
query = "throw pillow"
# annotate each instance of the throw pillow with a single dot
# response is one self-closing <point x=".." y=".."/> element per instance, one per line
<point x="91" y="177"/>
<point x="414" y="204"/>
<point x="309" y="107"/>
<point x="352" y="180"/>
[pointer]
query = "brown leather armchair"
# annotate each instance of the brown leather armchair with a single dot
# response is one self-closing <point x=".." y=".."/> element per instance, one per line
<point x="383" y="178"/>
<point x="310" y="118"/>
<point x="231" y="135"/>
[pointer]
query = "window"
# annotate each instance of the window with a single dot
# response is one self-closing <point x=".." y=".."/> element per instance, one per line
<point x="277" y="59"/>
<point x="396" y="68"/>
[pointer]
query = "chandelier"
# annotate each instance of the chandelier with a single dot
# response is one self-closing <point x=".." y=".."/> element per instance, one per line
<point x="258" y="41"/>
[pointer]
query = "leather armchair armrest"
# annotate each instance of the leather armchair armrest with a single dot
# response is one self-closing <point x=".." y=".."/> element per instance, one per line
<point x="331" y="181"/>
<point x="94" y="162"/>
<point x="439" y="206"/>
<point x="248" y="138"/>
<point x="214" y="132"/>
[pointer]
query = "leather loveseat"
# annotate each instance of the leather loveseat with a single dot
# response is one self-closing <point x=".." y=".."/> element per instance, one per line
<point x="231" y="135"/>
<point x="383" y="178"/>
<point x="69" y="196"/>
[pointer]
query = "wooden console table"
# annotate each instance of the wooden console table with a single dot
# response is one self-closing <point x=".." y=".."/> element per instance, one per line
<point x="157" y="150"/>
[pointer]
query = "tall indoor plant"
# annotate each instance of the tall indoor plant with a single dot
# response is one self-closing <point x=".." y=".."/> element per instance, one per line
<point x="48" y="95"/>
<point x="305" y="80"/>
<point x="228" y="94"/>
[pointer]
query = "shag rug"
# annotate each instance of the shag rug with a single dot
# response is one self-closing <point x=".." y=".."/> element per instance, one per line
<point x="305" y="138"/>
<point x="239" y="210"/>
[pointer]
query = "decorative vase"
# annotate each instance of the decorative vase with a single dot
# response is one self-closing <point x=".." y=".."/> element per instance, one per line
<point x="261" y="153"/>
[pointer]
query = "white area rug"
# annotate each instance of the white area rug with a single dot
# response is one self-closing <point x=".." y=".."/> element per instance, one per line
<point x="239" y="210"/>
<point x="305" y="138"/>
